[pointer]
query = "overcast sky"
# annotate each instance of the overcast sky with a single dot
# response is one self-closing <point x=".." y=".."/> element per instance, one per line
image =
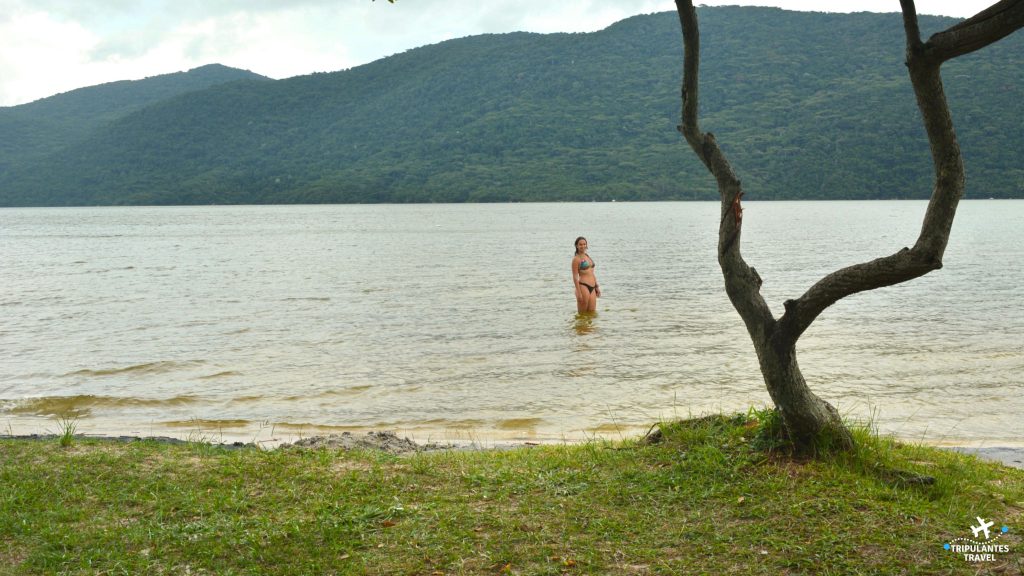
<point x="52" y="46"/>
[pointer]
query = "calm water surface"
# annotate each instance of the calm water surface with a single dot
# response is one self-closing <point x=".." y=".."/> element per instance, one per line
<point x="457" y="322"/>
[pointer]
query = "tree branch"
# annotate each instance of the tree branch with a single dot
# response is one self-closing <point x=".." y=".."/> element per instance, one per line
<point x="946" y="158"/>
<point x="742" y="282"/>
<point x="910" y="23"/>
<point x="691" y="66"/>
<point x="986" y="27"/>
<point x="900" y="267"/>
<point x="926" y="255"/>
<point x="923" y="61"/>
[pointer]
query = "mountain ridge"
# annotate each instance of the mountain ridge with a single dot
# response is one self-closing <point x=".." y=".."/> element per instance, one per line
<point x="39" y="128"/>
<point x="807" y="105"/>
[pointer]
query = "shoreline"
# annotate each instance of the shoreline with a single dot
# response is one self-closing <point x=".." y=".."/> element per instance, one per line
<point x="392" y="443"/>
<point x="1006" y="455"/>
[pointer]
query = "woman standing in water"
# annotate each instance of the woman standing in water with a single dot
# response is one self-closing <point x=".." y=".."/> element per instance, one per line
<point x="583" y="278"/>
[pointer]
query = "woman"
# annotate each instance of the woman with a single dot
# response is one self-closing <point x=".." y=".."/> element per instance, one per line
<point x="583" y="279"/>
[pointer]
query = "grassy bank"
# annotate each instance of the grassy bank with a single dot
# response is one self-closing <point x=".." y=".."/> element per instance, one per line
<point x="706" y="499"/>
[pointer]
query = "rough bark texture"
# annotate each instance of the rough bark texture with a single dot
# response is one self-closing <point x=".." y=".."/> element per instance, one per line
<point x="811" y="422"/>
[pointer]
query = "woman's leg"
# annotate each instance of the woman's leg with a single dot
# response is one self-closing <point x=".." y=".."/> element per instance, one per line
<point x="581" y="299"/>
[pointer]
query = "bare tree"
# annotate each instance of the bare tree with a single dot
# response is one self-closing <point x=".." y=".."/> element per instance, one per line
<point x="811" y="423"/>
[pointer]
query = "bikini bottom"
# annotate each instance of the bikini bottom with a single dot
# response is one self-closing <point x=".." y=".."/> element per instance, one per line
<point x="589" y="287"/>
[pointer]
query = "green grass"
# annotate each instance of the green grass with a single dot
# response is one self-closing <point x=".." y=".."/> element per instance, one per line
<point x="710" y="497"/>
<point x="67" y="427"/>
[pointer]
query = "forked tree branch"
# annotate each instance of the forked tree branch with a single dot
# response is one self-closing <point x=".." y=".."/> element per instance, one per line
<point x="923" y="61"/>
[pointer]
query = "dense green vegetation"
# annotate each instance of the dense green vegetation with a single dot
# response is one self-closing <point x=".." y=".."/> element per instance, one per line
<point x="806" y="105"/>
<point x="45" y="127"/>
<point x="708" y="499"/>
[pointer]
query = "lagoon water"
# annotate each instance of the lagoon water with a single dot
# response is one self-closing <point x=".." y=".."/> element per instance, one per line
<point x="457" y="322"/>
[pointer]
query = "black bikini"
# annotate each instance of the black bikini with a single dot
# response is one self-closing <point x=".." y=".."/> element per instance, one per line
<point x="589" y="287"/>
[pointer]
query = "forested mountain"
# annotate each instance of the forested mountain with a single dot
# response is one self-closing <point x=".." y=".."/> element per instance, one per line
<point x="45" y="127"/>
<point x="806" y="105"/>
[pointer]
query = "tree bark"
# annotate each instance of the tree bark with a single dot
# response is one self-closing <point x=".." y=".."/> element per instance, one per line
<point x="811" y="423"/>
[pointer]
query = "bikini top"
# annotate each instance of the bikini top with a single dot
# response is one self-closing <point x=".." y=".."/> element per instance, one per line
<point x="584" y="264"/>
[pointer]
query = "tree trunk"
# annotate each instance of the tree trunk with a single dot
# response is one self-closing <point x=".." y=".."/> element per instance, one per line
<point x="811" y="423"/>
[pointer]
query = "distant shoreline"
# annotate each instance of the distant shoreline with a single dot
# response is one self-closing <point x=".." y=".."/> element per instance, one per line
<point x="496" y="203"/>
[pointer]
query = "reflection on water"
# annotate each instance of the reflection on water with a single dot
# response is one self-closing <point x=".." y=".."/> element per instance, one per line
<point x="584" y="323"/>
<point x="291" y="321"/>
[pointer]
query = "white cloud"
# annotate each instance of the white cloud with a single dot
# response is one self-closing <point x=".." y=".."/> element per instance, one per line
<point x="42" y="55"/>
<point x="277" y="45"/>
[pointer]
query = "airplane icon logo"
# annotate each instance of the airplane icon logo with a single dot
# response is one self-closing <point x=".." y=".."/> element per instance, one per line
<point x="982" y="526"/>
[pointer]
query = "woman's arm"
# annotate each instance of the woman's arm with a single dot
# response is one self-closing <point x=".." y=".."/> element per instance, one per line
<point x="575" y="265"/>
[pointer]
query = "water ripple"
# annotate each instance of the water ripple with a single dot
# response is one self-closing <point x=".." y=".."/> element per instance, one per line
<point x="353" y="317"/>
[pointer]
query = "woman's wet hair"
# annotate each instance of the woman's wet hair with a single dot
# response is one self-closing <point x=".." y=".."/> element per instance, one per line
<point x="576" y="244"/>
